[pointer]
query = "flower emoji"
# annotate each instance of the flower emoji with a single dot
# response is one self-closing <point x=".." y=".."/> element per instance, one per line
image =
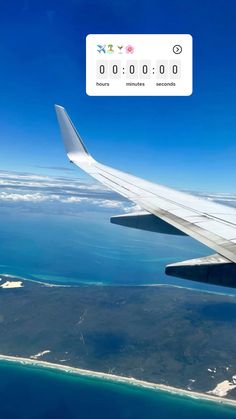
<point x="129" y="49"/>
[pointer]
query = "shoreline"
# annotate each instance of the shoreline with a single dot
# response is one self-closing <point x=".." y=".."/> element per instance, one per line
<point x="101" y="284"/>
<point x="117" y="379"/>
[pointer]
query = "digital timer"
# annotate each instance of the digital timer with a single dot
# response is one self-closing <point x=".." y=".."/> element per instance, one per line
<point x="143" y="69"/>
<point x="139" y="65"/>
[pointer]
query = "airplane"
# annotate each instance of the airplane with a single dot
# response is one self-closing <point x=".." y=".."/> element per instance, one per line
<point x="167" y="211"/>
<point x="101" y="48"/>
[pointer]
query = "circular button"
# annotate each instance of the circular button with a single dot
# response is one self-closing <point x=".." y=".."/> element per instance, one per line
<point x="177" y="49"/>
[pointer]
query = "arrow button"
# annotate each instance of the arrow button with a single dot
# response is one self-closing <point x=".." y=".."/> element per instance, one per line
<point x="177" y="49"/>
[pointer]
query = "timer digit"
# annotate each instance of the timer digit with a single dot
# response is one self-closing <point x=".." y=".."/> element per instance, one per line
<point x="145" y="69"/>
<point x="115" y="69"/>
<point x="132" y="69"/>
<point x="102" y="70"/>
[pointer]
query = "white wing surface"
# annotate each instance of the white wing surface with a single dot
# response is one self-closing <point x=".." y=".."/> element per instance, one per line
<point x="167" y="211"/>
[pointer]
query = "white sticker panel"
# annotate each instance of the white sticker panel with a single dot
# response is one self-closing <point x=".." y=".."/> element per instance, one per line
<point x="139" y="65"/>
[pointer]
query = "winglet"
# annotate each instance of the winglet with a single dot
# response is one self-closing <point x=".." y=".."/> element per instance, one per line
<point x="75" y="149"/>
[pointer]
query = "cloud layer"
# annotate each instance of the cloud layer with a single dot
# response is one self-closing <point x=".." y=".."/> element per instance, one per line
<point x="26" y="188"/>
<point x="68" y="195"/>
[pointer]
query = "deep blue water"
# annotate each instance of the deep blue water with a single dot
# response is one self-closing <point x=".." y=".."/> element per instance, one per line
<point x="31" y="393"/>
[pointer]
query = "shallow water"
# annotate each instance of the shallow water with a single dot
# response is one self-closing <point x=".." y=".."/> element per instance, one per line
<point x="88" y="249"/>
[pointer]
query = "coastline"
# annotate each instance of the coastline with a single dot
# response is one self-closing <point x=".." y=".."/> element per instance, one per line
<point x="117" y="379"/>
<point x="101" y="284"/>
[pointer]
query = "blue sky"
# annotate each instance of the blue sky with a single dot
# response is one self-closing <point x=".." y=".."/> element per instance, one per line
<point x="185" y="142"/>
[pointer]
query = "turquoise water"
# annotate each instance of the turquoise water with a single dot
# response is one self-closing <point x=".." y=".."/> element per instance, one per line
<point x="32" y="392"/>
<point x="88" y="249"/>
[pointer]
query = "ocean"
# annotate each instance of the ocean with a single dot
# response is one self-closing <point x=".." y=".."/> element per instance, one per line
<point x="34" y="392"/>
<point x="87" y="248"/>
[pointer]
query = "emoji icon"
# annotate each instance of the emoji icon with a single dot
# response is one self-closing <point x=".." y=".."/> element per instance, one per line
<point x="101" y="48"/>
<point x="110" y="49"/>
<point x="129" y="49"/>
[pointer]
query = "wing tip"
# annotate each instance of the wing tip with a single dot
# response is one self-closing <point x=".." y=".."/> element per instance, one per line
<point x="74" y="145"/>
<point x="59" y="109"/>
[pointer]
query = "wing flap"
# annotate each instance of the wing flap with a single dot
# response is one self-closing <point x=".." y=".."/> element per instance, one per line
<point x="146" y="221"/>
<point x="214" y="269"/>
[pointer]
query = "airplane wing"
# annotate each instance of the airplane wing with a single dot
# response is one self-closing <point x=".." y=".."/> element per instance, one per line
<point x="166" y="210"/>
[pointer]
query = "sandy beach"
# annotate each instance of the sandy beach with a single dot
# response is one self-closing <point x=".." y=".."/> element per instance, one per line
<point x="117" y="378"/>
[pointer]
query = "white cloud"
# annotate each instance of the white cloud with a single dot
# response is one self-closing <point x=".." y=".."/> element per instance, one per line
<point x="73" y="199"/>
<point x="106" y="203"/>
<point x="36" y="197"/>
<point x="71" y="192"/>
<point x="27" y="189"/>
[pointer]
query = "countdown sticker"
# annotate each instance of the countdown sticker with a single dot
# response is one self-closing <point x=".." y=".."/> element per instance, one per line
<point x="139" y="65"/>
